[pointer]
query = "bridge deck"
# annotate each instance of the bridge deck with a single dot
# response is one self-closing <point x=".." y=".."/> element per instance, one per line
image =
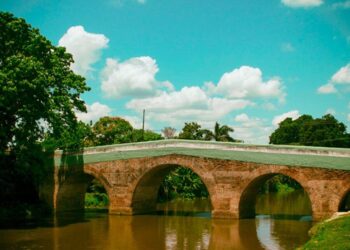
<point x="331" y="158"/>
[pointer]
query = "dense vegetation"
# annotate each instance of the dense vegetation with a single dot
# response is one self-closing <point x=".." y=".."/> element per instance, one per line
<point x="39" y="97"/>
<point x="326" y="131"/>
<point x="96" y="196"/>
<point x="182" y="183"/>
<point x="193" y="131"/>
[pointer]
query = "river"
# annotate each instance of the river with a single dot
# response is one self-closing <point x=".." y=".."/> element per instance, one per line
<point x="176" y="225"/>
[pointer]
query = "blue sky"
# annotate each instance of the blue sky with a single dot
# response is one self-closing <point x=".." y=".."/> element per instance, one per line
<point x="247" y="64"/>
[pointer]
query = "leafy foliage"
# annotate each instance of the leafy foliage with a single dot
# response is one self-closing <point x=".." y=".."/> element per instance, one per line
<point x="221" y="133"/>
<point x="193" y="131"/>
<point x="39" y="97"/>
<point x="280" y="183"/>
<point x="326" y="131"/>
<point x="109" y="130"/>
<point x="137" y="135"/>
<point x="39" y="91"/>
<point x="182" y="183"/>
<point x="96" y="195"/>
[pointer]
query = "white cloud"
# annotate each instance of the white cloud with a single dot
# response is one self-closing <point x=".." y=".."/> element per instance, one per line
<point x="342" y="76"/>
<point x="287" y="47"/>
<point x="141" y="1"/>
<point x="302" y="3"/>
<point x="242" y="118"/>
<point x="136" y="121"/>
<point x="247" y="82"/>
<point x="342" y="5"/>
<point x="84" y="46"/>
<point x="252" y="130"/>
<point x="133" y="77"/>
<point x="188" y="104"/>
<point x="327" y="89"/>
<point x="94" y="112"/>
<point x="294" y="114"/>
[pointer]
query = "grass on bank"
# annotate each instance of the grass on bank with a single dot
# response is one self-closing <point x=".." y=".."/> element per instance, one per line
<point x="330" y="235"/>
<point x="96" y="200"/>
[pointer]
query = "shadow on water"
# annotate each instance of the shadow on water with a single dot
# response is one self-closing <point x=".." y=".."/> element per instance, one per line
<point x="58" y="220"/>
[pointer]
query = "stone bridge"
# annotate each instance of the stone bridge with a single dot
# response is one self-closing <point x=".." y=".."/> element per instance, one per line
<point x="232" y="173"/>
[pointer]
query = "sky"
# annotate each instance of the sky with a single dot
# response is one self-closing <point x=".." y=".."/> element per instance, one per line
<point x="247" y="64"/>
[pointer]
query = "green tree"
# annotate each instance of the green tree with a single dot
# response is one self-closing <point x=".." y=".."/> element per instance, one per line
<point x="39" y="91"/>
<point x="192" y="131"/>
<point x="74" y="138"/>
<point x="326" y="131"/>
<point x="137" y="135"/>
<point x="39" y="95"/>
<point x="222" y="133"/>
<point x="182" y="183"/>
<point x="109" y="130"/>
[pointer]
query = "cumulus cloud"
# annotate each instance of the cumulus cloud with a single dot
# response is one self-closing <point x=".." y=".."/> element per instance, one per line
<point x="302" y="3"/>
<point x="134" y="77"/>
<point x="247" y="82"/>
<point x="84" y="46"/>
<point x="190" y="103"/>
<point x="94" y="112"/>
<point x="341" y="77"/>
<point x="327" y="89"/>
<point x="294" y="114"/>
<point x="136" y="121"/>
<point x="251" y="129"/>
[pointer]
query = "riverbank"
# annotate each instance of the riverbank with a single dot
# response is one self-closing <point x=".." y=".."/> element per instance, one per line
<point x="330" y="234"/>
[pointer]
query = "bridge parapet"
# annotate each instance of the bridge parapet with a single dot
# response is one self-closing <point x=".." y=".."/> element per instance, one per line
<point x="228" y="146"/>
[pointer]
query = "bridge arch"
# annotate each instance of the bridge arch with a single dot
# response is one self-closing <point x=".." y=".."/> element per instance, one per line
<point x="72" y="188"/>
<point x="145" y="188"/>
<point x="344" y="204"/>
<point x="249" y="192"/>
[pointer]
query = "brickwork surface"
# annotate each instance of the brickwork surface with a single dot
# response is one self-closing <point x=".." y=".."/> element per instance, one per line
<point x="132" y="184"/>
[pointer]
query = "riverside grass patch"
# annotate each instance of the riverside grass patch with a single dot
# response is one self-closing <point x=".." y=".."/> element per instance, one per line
<point x="330" y="235"/>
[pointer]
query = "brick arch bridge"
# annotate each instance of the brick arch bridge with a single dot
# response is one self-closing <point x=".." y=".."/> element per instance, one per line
<point x="232" y="173"/>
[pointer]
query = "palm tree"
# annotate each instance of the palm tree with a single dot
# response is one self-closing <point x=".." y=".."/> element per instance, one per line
<point x="221" y="133"/>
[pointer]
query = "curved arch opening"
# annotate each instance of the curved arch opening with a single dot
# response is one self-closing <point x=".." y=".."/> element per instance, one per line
<point x="344" y="205"/>
<point x="80" y="191"/>
<point x="275" y="195"/>
<point x="171" y="189"/>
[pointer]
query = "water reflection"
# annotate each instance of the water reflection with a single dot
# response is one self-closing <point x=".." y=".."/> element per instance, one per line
<point x="157" y="231"/>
